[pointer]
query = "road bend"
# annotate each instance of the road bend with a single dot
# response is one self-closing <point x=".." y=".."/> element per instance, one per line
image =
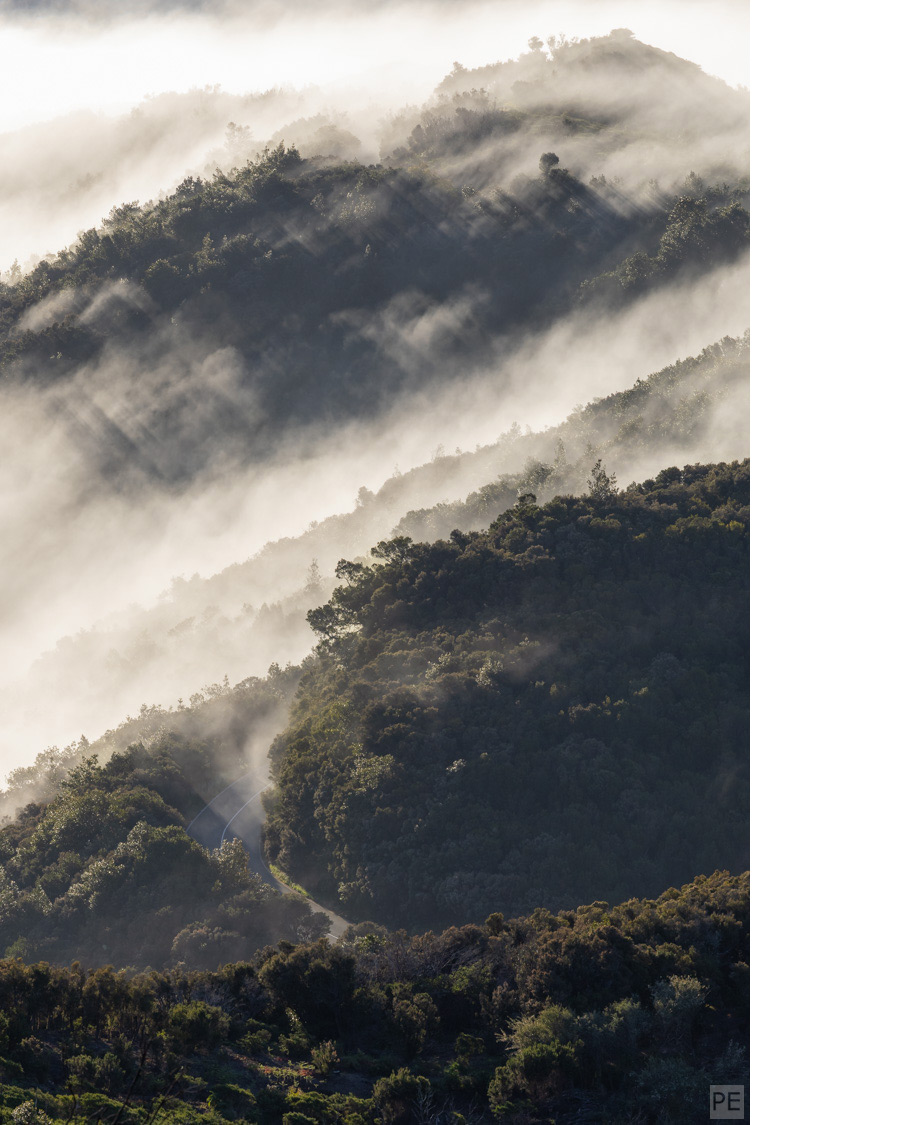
<point x="237" y="813"/>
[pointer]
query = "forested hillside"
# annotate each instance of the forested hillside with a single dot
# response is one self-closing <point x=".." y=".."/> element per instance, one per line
<point x="239" y="621"/>
<point x="547" y="711"/>
<point x="323" y="289"/>
<point x="294" y="479"/>
<point x="294" y="324"/>
<point x="552" y="709"/>
<point x="288" y="261"/>
<point x="97" y="867"/>
<point x="616" y="1014"/>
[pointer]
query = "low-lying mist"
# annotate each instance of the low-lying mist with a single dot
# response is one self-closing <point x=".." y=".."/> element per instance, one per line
<point x="206" y="405"/>
<point x="215" y="82"/>
<point x="58" y="177"/>
<point x="89" y="564"/>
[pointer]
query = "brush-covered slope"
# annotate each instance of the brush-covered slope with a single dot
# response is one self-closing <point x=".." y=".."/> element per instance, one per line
<point x="618" y="1014"/>
<point x="95" y="862"/>
<point x="552" y="710"/>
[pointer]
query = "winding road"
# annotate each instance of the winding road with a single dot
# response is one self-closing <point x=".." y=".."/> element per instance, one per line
<point x="237" y="813"/>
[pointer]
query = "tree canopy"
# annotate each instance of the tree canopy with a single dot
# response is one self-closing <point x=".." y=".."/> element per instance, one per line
<point x="552" y="709"/>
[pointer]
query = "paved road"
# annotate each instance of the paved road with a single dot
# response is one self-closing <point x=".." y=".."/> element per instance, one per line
<point x="209" y="825"/>
<point x="237" y="812"/>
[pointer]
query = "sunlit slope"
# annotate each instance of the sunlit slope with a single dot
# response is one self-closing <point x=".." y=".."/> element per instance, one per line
<point x="553" y="710"/>
<point x="98" y="866"/>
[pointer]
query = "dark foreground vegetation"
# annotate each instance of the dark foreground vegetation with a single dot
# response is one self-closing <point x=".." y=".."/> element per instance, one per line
<point x="532" y="715"/>
<point x="614" y="1014"/>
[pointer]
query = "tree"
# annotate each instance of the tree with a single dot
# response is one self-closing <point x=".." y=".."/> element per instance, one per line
<point x="28" y="1113"/>
<point x="602" y="485"/>
<point x="676" y="1003"/>
<point x="197" y="1025"/>
<point x="548" y="160"/>
<point x="350" y="572"/>
<point x="237" y="139"/>
<point x="313" y="578"/>
<point x="397" y="1094"/>
<point x="393" y="550"/>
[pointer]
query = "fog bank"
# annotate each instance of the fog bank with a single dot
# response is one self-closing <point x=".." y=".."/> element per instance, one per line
<point x="80" y="553"/>
<point x="117" y="124"/>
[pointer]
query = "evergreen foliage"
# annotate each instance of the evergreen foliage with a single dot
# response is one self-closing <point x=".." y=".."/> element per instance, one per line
<point x="617" y="1014"/>
<point x="530" y="698"/>
<point x="325" y="288"/>
<point x="552" y="709"/>
<point x="102" y="870"/>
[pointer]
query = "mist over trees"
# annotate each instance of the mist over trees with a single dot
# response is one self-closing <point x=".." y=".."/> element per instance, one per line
<point x="234" y="326"/>
<point x="234" y="723"/>
<point x="485" y="679"/>
<point x="293" y="252"/>
<point x="97" y="866"/>
<point x="254" y="612"/>
<point x="283" y="292"/>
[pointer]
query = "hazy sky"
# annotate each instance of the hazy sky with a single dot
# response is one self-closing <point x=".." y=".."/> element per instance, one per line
<point x="54" y="63"/>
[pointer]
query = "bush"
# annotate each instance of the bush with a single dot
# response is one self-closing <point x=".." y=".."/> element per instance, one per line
<point x="28" y="1113"/>
<point x="233" y="1102"/>
<point x="198" y="1025"/>
<point x="82" y="1070"/>
<point x="533" y="1074"/>
<point x="397" y="1094"/>
<point x="35" y="1059"/>
<point x="109" y="1074"/>
<point x="325" y="1057"/>
<point x="256" y="1038"/>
